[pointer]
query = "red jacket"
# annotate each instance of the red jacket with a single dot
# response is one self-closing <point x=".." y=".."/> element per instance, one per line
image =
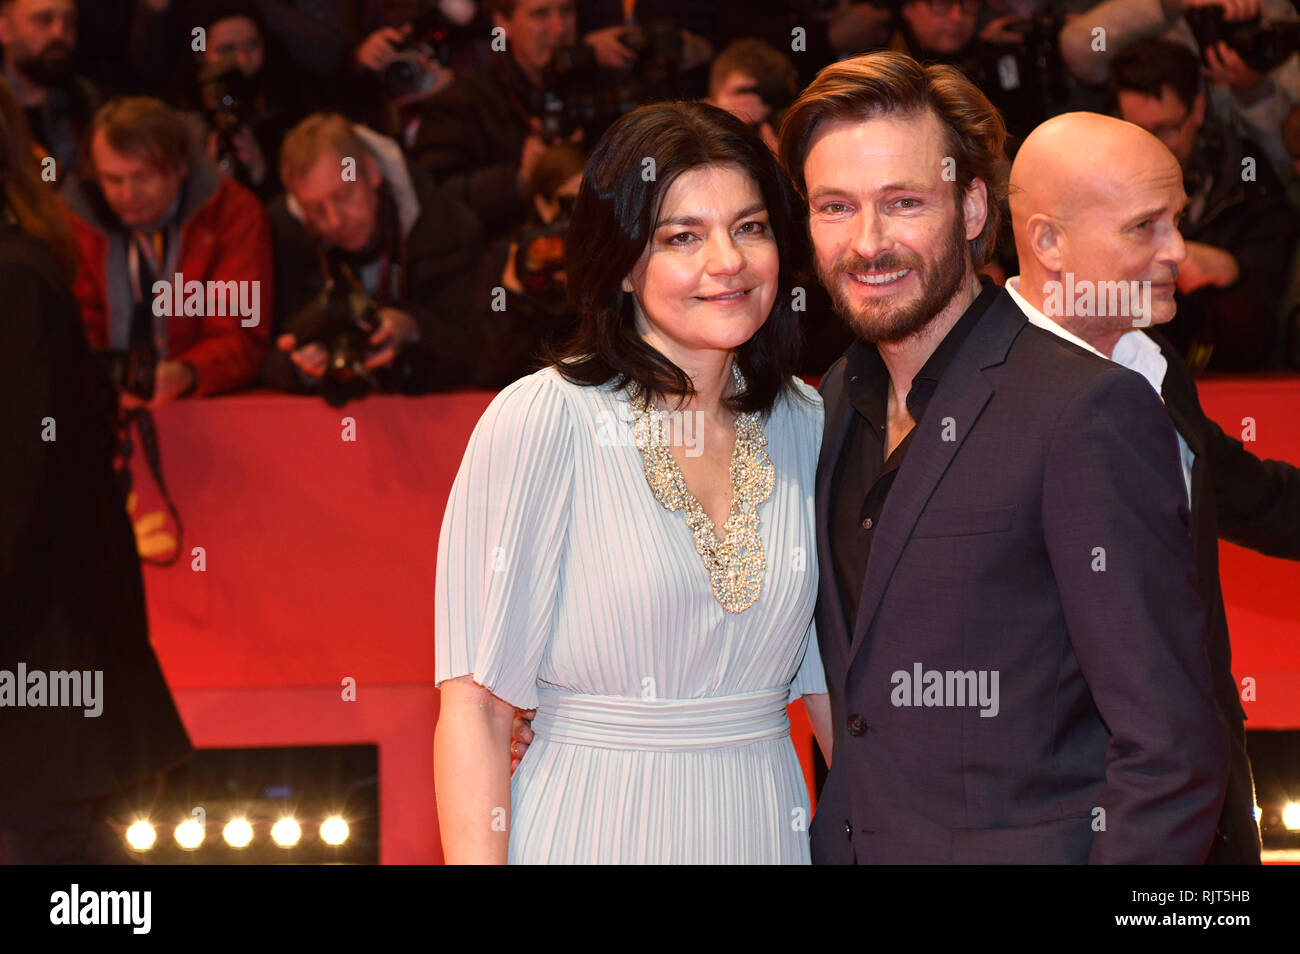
<point x="225" y="235"/>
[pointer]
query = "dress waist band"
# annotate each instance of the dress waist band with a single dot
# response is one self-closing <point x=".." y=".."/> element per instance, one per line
<point x="661" y="725"/>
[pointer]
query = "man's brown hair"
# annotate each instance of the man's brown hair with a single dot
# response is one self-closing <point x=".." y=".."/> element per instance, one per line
<point x="758" y="60"/>
<point x="894" y="84"/>
<point x="145" y="128"/>
<point x="319" y="135"/>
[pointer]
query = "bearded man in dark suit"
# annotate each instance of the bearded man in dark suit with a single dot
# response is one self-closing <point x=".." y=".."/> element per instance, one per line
<point x="1008" y="618"/>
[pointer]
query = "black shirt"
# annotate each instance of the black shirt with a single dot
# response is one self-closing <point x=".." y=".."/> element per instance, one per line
<point x="863" y="477"/>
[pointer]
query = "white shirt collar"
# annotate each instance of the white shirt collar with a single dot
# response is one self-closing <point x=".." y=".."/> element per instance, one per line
<point x="1135" y="350"/>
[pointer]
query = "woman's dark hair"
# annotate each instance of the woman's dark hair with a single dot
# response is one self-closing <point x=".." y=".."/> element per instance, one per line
<point x="629" y="173"/>
<point x="23" y="191"/>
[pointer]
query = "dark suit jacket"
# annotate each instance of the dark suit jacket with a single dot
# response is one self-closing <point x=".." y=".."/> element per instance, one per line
<point x="1251" y="502"/>
<point x="989" y="558"/>
<point x="70" y="582"/>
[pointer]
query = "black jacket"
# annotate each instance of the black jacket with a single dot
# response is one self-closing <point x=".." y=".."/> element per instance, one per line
<point x="471" y="137"/>
<point x="1253" y="503"/>
<point x="70" y="581"/>
<point x="1235" y="328"/>
<point x="1033" y="460"/>
<point x="444" y="248"/>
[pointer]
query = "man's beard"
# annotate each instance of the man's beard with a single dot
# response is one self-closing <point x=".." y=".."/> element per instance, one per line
<point x="889" y="320"/>
<point x="50" y="67"/>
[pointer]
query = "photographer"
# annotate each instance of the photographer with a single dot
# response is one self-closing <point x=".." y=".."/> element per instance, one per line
<point x="529" y="267"/>
<point x="755" y="83"/>
<point x="411" y="51"/>
<point x="367" y="250"/>
<point x="1254" y="101"/>
<point x="40" y="40"/>
<point x="1013" y="58"/>
<point x="244" y="103"/>
<point x="483" y="135"/>
<point x="618" y="35"/>
<point x="479" y="137"/>
<point x="1239" y="229"/>
<point x="312" y="33"/>
<point x="154" y="221"/>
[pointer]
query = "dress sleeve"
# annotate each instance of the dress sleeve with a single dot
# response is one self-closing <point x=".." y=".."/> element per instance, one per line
<point x="501" y="548"/>
<point x="810" y="679"/>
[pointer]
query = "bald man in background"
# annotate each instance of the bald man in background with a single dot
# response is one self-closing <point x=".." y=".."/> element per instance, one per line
<point x="1095" y="207"/>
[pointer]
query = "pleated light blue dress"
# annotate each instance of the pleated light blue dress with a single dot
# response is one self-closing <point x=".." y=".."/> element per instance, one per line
<point x="564" y="585"/>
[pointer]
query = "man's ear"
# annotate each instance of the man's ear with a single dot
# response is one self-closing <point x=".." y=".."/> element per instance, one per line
<point x="1045" y="241"/>
<point x="975" y="208"/>
<point x="1198" y="109"/>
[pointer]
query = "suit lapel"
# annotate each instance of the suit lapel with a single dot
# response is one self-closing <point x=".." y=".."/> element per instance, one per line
<point x="961" y="396"/>
<point x="838" y="416"/>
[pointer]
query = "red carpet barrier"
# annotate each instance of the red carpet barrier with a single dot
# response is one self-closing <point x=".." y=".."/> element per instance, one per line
<point x="307" y="615"/>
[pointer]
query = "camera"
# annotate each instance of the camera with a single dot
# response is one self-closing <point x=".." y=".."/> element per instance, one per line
<point x="230" y="98"/>
<point x="577" y="94"/>
<point x="540" y="256"/>
<point x="1261" y="47"/>
<point x="405" y="75"/>
<point x="132" y="369"/>
<point x="342" y="324"/>
<point x="658" y="46"/>
<point x="229" y="95"/>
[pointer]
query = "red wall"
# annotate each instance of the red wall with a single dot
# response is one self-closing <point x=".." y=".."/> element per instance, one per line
<point x="319" y="567"/>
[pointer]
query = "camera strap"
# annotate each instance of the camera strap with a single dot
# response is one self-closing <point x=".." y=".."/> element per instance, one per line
<point x="145" y="427"/>
<point x="388" y="259"/>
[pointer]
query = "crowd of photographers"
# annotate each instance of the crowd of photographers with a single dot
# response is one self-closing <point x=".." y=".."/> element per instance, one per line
<point x="340" y="196"/>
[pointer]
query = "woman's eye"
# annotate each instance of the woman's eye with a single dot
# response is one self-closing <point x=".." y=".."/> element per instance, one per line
<point x="680" y="235"/>
<point x="834" y="208"/>
<point x="754" y="228"/>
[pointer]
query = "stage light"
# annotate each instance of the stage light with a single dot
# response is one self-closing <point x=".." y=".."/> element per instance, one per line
<point x="286" y="833"/>
<point x="1257" y="815"/>
<point x="141" y="836"/>
<point x="189" y="834"/>
<point x="238" y="833"/>
<point x="334" y="831"/>
<point x="1291" y="816"/>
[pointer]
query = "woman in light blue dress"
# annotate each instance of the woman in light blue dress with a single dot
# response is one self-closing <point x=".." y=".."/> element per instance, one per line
<point x="629" y="545"/>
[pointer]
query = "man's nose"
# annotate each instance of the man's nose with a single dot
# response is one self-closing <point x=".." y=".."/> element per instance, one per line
<point x="329" y="219"/>
<point x="1175" y="250"/>
<point x="871" y="238"/>
<point x="63" y="29"/>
